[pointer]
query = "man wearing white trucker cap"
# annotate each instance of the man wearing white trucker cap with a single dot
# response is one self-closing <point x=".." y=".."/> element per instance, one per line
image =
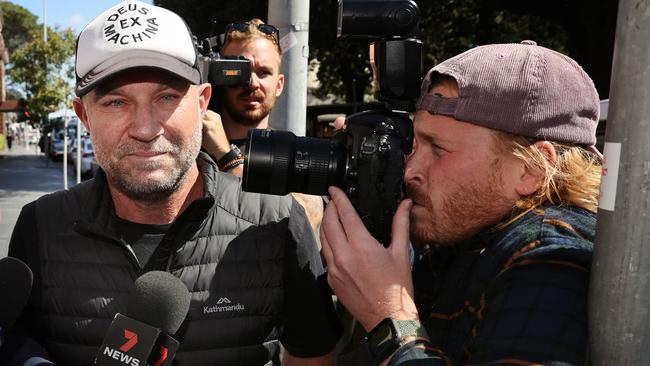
<point x="502" y="192"/>
<point x="250" y="261"/>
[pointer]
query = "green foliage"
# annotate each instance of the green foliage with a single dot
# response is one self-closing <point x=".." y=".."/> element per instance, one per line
<point x="18" y="25"/>
<point x="39" y="71"/>
<point x="45" y="71"/>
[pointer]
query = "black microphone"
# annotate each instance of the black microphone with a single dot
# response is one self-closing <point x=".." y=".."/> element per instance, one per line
<point x="16" y="286"/>
<point x="142" y="336"/>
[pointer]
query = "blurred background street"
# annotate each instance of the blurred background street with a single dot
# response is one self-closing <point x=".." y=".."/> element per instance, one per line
<point x="25" y="175"/>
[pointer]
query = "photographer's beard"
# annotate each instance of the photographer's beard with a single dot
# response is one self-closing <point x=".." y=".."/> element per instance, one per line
<point x="169" y="175"/>
<point x="459" y="212"/>
<point x="244" y="106"/>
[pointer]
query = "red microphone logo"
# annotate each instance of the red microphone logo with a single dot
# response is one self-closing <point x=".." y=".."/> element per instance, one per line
<point x="164" y="352"/>
<point x="132" y="340"/>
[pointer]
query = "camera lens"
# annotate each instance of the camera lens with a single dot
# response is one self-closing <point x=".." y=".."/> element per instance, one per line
<point x="279" y="162"/>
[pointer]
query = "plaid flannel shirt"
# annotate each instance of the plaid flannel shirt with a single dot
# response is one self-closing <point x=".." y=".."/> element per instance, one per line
<point x="515" y="296"/>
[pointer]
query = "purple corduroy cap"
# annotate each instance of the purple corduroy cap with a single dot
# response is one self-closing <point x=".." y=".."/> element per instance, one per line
<point x="520" y="88"/>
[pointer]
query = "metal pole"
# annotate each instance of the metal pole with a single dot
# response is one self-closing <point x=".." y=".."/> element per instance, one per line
<point x="78" y="150"/>
<point x="619" y="302"/>
<point x="292" y="18"/>
<point x="44" y="22"/>
<point x="65" y="150"/>
<point x="47" y="149"/>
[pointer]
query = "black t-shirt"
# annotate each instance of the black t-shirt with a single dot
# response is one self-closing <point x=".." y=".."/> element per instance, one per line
<point x="142" y="238"/>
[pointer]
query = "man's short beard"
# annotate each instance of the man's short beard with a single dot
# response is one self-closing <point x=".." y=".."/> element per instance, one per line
<point x="153" y="191"/>
<point x="463" y="213"/>
<point x="247" y="118"/>
<point x="148" y="192"/>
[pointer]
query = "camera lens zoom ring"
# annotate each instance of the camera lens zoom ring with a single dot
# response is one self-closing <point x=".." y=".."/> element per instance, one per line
<point x="319" y="169"/>
<point x="280" y="172"/>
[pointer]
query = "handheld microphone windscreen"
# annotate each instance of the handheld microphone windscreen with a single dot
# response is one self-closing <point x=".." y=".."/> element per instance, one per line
<point x="16" y="286"/>
<point x="160" y="300"/>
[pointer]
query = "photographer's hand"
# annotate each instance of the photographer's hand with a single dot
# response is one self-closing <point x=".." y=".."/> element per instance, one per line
<point x="339" y="123"/>
<point x="372" y="282"/>
<point x="215" y="140"/>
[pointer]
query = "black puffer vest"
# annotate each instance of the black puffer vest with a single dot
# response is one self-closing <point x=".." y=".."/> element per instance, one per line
<point x="229" y="248"/>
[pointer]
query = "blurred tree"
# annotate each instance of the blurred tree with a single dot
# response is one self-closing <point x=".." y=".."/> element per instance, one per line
<point x="18" y="25"/>
<point x="40" y="72"/>
<point x="44" y="70"/>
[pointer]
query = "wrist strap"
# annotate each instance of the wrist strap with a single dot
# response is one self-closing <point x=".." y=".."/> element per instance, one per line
<point x="232" y="157"/>
<point x="232" y="164"/>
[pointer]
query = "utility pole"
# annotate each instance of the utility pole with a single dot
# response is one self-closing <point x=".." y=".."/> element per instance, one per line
<point x="44" y="22"/>
<point x="78" y="141"/>
<point x="66" y="120"/>
<point x="291" y="17"/>
<point x="47" y="141"/>
<point x="619" y="302"/>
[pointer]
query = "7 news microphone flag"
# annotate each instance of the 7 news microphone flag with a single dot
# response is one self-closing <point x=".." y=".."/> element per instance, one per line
<point x="156" y="311"/>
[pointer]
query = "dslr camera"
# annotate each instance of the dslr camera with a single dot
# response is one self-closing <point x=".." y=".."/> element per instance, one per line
<point x="221" y="70"/>
<point x="367" y="158"/>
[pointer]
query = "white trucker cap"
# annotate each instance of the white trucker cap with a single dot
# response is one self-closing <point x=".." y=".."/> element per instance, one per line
<point x="134" y="34"/>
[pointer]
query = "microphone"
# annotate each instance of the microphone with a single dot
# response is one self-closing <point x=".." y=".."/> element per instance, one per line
<point x="16" y="282"/>
<point x="142" y="336"/>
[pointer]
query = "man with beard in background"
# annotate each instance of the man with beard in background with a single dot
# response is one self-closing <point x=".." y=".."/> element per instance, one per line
<point x="245" y="107"/>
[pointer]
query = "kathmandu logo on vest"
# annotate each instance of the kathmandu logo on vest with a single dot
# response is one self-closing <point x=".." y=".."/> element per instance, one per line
<point x="130" y="24"/>
<point x="224" y="304"/>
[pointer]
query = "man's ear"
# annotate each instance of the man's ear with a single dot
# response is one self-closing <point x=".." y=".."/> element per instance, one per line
<point x="532" y="179"/>
<point x="79" y="109"/>
<point x="205" y="93"/>
<point x="280" y="86"/>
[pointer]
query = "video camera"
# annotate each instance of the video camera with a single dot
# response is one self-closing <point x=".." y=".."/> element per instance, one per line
<point x="366" y="159"/>
<point x="218" y="70"/>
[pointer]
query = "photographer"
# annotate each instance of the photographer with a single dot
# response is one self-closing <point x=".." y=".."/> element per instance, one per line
<point x="502" y="191"/>
<point x="241" y="108"/>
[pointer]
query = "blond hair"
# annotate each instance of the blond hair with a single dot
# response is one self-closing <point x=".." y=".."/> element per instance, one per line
<point x="574" y="178"/>
<point x="250" y="33"/>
